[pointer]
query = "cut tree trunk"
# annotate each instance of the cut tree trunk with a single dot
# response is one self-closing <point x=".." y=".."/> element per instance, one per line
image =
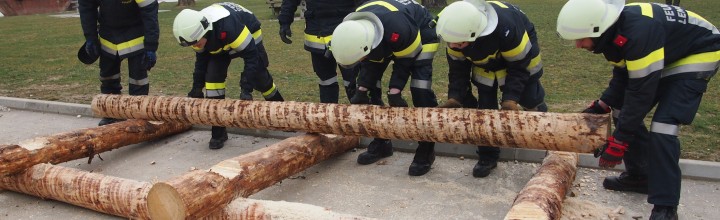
<point x="128" y="198"/>
<point x="544" y="194"/>
<point x="199" y="193"/>
<point x="106" y="194"/>
<point x="87" y="142"/>
<point x="572" y="132"/>
<point x="252" y="209"/>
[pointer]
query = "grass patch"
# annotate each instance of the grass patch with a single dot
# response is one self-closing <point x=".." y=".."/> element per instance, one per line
<point x="40" y="63"/>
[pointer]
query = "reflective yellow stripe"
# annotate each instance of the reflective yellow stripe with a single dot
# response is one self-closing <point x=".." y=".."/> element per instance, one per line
<point x="381" y="3"/>
<point x="697" y="16"/>
<point x="642" y="67"/>
<point x="455" y="53"/>
<point x="257" y="34"/>
<point x="521" y="48"/>
<point x="431" y="47"/>
<point x="535" y="65"/>
<point x="620" y="64"/>
<point x="499" y="4"/>
<point x="215" y="85"/>
<point x="410" y="49"/>
<point x="645" y="8"/>
<point x="269" y="91"/>
<point x="217" y="51"/>
<point x="240" y="40"/>
<point x="124" y="45"/>
<point x="708" y="57"/>
<point x="317" y="39"/>
<point x="486" y="60"/>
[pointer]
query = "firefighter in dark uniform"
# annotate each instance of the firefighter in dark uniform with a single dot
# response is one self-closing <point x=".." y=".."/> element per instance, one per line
<point x="321" y="18"/>
<point x="382" y="31"/>
<point x="218" y="34"/>
<point x="663" y="57"/>
<point x="493" y="45"/>
<point x="115" y="30"/>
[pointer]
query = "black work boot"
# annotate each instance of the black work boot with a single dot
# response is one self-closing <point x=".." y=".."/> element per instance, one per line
<point x="626" y="182"/>
<point x="661" y="212"/>
<point x="484" y="167"/>
<point x="107" y="121"/>
<point x="423" y="160"/>
<point x="219" y="136"/>
<point x="379" y="148"/>
<point x="245" y="95"/>
<point x="277" y="97"/>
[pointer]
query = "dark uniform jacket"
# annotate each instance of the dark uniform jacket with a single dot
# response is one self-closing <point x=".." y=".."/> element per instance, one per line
<point x="125" y="27"/>
<point x="321" y="18"/>
<point x="651" y="42"/>
<point x="402" y="21"/>
<point x="509" y="54"/>
<point x="235" y="35"/>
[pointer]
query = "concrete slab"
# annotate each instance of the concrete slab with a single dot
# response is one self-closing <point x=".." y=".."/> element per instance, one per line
<point x="382" y="190"/>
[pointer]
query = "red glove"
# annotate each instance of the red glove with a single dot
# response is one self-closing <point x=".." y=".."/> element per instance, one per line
<point x="597" y="107"/>
<point x="611" y="154"/>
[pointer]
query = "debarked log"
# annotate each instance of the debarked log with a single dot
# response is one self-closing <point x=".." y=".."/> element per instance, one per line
<point x="128" y="198"/>
<point x="199" y="193"/>
<point x="106" y="194"/>
<point x="570" y="132"/>
<point x="81" y="143"/>
<point x="544" y="194"/>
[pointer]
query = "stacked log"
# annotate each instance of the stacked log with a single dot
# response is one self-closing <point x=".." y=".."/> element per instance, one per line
<point x="544" y="194"/>
<point x="200" y="193"/>
<point x="570" y="132"/>
<point x="87" y="142"/>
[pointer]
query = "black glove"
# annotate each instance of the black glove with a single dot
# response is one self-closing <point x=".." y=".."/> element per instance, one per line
<point x="150" y="59"/>
<point x="597" y="108"/>
<point x="92" y="48"/>
<point x="196" y="93"/>
<point x="396" y="100"/>
<point x="360" y="97"/>
<point x="285" y="32"/>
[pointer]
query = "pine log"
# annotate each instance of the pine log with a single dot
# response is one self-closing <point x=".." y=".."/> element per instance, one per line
<point x="81" y="143"/>
<point x="571" y="132"/>
<point x="106" y="194"/>
<point x="128" y="198"/>
<point x="251" y="209"/>
<point x="544" y="194"/>
<point x="199" y="193"/>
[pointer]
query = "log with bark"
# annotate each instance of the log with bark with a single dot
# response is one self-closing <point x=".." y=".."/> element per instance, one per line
<point x="128" y="198"/>
<point x="81" y="143"/>
<point x="106" y="194"/>
<point x="199" y="193"/>
<point x="571" y="132"/>
<point x="544" y="194"/>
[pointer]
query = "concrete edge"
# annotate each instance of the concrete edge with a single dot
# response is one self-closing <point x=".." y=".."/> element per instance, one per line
<point x="694" y="169"/>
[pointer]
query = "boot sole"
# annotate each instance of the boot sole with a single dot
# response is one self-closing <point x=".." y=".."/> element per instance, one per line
<point x="617" y="186"/>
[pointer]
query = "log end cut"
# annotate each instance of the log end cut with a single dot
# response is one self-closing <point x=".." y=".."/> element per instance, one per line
<point x="527" y="210"/>
<point x="164" y="202"/>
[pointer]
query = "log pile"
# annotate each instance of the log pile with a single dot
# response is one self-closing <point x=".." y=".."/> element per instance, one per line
<point x="570" y="132"/>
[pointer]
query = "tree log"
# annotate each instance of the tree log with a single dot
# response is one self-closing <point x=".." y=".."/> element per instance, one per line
<point x="251" y="209"/>
<point x="87" y="142"/>
<point x="571" y="132"/>
<point x="544" y="194"/>
<point x="199" y="193"/>
<point x="106" y="194"/>
<point x="128" y="198"/>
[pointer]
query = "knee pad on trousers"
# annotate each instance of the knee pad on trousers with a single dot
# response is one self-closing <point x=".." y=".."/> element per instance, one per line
<point x="423" y="97"/>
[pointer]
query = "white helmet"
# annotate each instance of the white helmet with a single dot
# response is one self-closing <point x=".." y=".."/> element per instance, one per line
<point x="587" y="18"/>
<point x="355" y="37"/>
<point x="190" y="26"/>
<point x="466" y="20"/>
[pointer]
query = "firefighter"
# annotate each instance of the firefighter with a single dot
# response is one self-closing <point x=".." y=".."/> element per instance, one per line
<point x="493" y="46"/>
<point x="116" y="30"/>
<point x="663" y="57"/>
<point x="321" y="18"/>
<point x="382" y="31"/>
<point x="218" y="34"/>
<point x="673" y="2"/>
